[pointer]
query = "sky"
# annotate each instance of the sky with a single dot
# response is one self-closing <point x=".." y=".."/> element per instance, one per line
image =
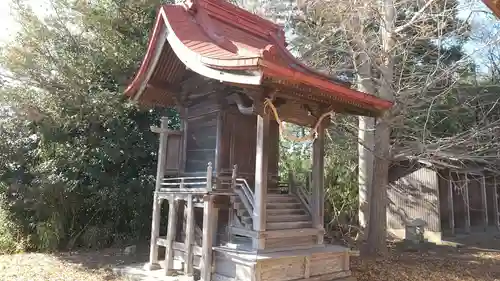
<point x="8" y="26"/>
<point x="6" y="22"/>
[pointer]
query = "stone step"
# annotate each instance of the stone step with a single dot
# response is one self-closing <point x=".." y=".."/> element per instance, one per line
<point x="246" y="219"/>
<point x="284" y="205"/>
<point x="287" y="217"/>
<point x="275" y="212"/>
<point x="273" y="205"/>
<point x="284" y="212"/>
<point x="288" y="225"/>
<point x="271" y="198"/>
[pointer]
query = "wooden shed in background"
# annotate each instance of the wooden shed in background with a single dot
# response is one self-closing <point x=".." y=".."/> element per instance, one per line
<point x="447" y="198"/>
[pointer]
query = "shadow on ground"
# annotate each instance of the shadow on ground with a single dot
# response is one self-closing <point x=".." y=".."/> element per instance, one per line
<point x="464" y="258"/>
<point x="472" y="258"/>
<point x="106" y="258"/>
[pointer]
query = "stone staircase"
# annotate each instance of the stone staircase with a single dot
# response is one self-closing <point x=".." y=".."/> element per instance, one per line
<point x="284" y="211"/>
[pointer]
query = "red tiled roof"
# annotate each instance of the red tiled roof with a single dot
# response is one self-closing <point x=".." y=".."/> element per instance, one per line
<point x="221" y="41"/>
<point x="494" y="5"/>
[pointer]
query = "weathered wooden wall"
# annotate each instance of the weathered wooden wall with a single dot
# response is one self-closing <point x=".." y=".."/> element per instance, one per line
<point x="474" y="203"/>
<point x="326" y="265"/>
<point x="174" y="152"/>
<point x="238" y="144"/>
<point x="413" y="194"/>
<point x="421" y="192"/>
<point x="220" y="134"/>
<point x="201" y="136"/>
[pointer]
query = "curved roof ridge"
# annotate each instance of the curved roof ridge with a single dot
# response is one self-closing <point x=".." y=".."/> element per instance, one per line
<point x="216" y="39"/>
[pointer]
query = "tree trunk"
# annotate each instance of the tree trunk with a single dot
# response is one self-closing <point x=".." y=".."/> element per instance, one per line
<point x="378" y="202"/>
<point x="366" y="130"/>
<point x="376" y="237"/>
<point x="366" y="146"/>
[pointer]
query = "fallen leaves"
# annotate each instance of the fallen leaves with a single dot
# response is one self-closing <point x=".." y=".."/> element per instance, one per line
<point x="438" y="264"/>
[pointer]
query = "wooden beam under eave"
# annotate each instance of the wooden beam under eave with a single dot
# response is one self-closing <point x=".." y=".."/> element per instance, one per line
<point x="151" y="97"/>
<point x="163" y="86"/>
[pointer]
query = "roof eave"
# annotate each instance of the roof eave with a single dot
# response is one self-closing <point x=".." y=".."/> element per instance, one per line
<point x="371" y="102"/>
<point x="494" y="6"/>
<point x="136" y="87"/>
<point x="164" y="34"/>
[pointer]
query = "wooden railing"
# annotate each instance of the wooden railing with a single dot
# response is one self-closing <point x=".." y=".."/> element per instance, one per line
<point x="190" y="184"/>
<point x="303" y="192"/>
<point x="241" y="187"/>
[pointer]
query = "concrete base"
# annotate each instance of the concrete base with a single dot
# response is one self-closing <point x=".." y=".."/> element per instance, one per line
<point x="431" y="236"/>
<point x="148" y="272"/>
<point x="320" y="263"/>
<point x="152" y="266"/>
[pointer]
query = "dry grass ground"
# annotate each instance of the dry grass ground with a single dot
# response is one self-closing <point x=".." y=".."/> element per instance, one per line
<point x="436" y="263"/>
<point x="34" y="267"/>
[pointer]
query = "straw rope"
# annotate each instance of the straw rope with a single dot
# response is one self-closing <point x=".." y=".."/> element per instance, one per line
<point x="313" y="134"/>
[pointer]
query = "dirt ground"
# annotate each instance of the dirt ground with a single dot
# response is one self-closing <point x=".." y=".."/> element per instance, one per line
<point x="475" y="261"/>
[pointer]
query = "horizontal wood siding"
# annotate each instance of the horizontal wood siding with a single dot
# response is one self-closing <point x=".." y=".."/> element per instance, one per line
<point x="274" y="243"/>
<point x="282" y="269"/>
<point x="325" y="263"/>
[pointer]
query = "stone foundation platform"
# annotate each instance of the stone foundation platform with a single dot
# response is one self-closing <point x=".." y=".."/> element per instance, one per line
<point x="324" y="263"/>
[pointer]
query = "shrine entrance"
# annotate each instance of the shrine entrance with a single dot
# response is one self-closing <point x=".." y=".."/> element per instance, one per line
<point x="230" y="216"/>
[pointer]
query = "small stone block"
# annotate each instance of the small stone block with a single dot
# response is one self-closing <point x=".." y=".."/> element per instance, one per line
<point x="152" y="266"/>
<point x="130" y="250"/>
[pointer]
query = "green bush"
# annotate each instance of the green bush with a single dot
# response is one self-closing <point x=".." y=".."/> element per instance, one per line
<point x="77" y="162"/>
<point x="11" y="240"/>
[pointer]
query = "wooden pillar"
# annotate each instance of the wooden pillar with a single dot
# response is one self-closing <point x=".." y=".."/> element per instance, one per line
<point x="495" y="203"/>
<point x="209" y="224"/>
<point x="171" y="228"/>
<point x="160" y="173"/>
<point x="189" y="240"/>
<point x="484" y="202"/>
<point x="261" y="173"/>
<point x="184" y="123"/>
<point x="451" y="211"/>
<point x="318" y="165"/>
<point x="466" y="203"/>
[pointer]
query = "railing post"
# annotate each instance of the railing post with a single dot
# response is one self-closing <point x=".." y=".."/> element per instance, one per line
<point x="207" y="241"/>
<point x="189" y="242"/>
<point x="171" y="232"/>
<point x="291" y="184"/>
<point x="160" y="173"/>
<point x="209" y="177"/>
<point x="234" y="176"/>
<point x="231" y="210"/>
